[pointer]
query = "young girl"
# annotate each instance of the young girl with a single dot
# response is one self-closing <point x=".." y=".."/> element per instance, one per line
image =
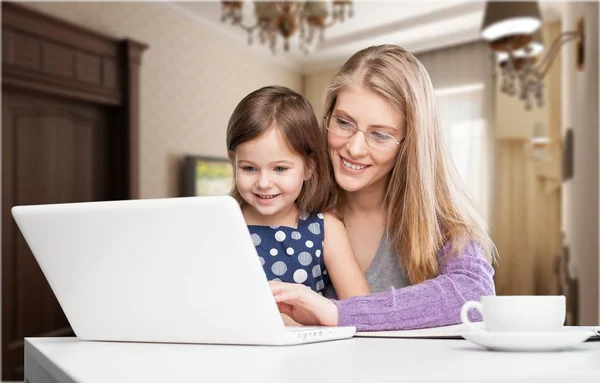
<point x="283" y="183"/>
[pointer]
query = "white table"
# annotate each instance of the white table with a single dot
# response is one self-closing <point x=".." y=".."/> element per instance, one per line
<point x="67" y="360"/>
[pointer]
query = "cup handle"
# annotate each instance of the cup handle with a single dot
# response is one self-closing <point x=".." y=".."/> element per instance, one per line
<point x="465" y="310"/>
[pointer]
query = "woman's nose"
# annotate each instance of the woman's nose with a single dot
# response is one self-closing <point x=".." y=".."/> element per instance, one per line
<point x="357" y="145"/>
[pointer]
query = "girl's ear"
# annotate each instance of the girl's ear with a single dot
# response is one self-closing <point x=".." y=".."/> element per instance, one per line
<point x="309" y="168"/>
<point x="231" y="156"/>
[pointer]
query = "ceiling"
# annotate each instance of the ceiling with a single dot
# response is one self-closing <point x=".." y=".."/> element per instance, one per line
<point x="417" y="26"/>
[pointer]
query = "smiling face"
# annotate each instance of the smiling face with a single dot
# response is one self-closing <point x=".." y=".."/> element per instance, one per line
<point x="269" y="177"/>
<point x="357" y="166"/>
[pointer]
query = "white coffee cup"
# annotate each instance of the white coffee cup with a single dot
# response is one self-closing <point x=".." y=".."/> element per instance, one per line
<point x="518" y="313"/>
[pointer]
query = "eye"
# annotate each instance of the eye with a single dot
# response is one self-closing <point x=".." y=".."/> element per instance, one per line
<point x="344" y="124"/>
<point x="280" y="169"/>
<point x="248" y="168"/>
<point x="381" y="136"/>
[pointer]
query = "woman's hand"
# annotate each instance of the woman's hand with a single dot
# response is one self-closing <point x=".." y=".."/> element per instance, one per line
<point x="304" y="305"/>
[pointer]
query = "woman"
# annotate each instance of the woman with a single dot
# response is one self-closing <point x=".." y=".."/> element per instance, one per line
<point x="415" y="231"/>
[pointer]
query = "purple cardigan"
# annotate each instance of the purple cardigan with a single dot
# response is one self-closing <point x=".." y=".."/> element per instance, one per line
<point x="435" y="302"/>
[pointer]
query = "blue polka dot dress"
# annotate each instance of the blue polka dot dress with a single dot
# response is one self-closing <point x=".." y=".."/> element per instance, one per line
<point x="293" y="255"/>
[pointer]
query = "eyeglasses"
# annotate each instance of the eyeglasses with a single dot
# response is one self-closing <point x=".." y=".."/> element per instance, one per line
<point x="374" y="138"/>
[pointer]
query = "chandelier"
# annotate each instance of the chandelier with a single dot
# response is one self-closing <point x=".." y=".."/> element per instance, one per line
<point x="512" y="29"/>
<point x="284" y="18"/>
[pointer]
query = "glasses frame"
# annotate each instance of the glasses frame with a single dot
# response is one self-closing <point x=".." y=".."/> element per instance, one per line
<point x="366" y="133"/>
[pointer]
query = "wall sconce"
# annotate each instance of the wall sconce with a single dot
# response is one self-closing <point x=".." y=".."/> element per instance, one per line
<point x="513" y="30"/>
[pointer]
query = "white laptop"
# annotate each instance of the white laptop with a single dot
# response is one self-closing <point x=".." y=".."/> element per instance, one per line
<point x="177" y="270"/>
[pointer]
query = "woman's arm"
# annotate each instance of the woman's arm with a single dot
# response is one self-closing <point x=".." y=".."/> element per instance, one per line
<point x="343" y="269"/>
<point x="436" y="302"/>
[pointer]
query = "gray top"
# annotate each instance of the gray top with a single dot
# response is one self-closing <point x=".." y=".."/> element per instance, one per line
<point x="385" y="270"/>
<point x="384" y="273"/>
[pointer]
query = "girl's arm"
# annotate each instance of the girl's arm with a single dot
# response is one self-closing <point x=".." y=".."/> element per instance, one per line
<point x="346" y="275"/>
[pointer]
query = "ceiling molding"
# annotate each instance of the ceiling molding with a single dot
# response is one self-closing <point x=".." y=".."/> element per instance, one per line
<point x="432" y="26"/>
<point x="225" y="30"/>
<point x="413" y="22"/>
<point x="422" y="46"/>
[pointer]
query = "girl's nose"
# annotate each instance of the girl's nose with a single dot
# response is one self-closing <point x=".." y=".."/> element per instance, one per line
<point x="264" y="182"/>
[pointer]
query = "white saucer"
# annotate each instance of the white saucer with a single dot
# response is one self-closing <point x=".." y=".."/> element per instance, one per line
<point x="533" y="341"/>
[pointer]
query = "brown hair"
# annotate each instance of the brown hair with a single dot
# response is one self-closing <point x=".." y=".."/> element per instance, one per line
<point x="426" y="201"/>
<point x="277" y="107"/>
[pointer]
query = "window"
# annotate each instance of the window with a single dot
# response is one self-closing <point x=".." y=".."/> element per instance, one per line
<point x="468" y="138"/>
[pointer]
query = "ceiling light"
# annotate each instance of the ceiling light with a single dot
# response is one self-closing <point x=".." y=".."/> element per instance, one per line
<point x="274" y="19"/>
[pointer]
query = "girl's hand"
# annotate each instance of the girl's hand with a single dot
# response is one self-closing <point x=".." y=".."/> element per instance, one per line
<point x="303" y="305"/>
<point x="289" y="321"/>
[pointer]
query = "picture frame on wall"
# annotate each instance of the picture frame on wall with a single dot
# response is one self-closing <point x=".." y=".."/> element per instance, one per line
<point x="206" y="176"/>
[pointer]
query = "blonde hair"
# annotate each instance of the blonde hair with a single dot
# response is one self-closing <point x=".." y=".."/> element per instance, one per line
<point x="426" y="201"/>
<point x="278" y="107"/>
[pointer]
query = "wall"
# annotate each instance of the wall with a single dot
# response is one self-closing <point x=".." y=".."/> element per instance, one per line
<point x="526" y="228"/>
<point x="191" y="78"/>
<point x="315" y="85"/>
<point x="580" y="194"/>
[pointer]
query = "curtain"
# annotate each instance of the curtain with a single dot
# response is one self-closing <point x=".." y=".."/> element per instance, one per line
<point x="463" y="82"/>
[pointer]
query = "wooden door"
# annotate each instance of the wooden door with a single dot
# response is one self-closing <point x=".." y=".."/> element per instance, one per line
<point x="54" y="151"/>
<point x="70" y="123"/>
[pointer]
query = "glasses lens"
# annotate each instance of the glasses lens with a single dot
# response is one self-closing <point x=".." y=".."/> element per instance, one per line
<point x="376" y="140"/>
<point x="381" y="141"/>
<point x="341" y="127"/>
<point x="384" y="147"/>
